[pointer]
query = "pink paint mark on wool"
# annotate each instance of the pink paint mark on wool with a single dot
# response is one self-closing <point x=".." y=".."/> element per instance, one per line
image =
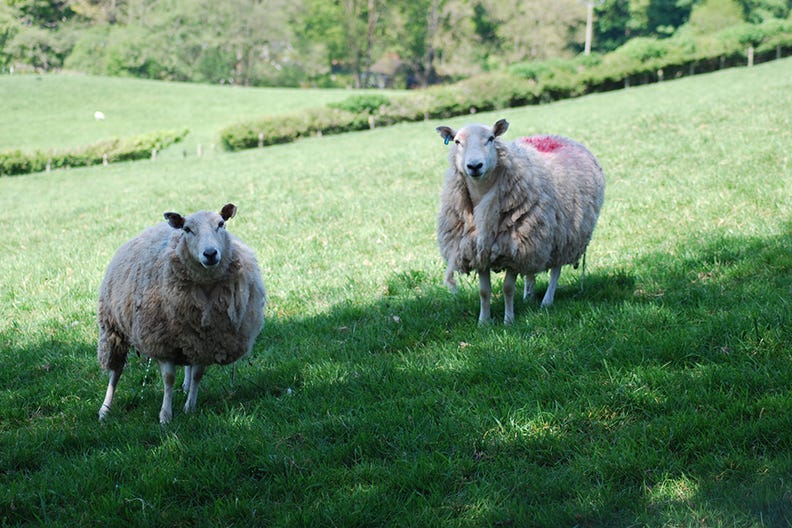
<point x="544" y="144"/>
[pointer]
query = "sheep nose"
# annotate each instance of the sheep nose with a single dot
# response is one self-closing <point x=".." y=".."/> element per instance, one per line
<point x="475" y="167"/>
<point x="210" y="255"/>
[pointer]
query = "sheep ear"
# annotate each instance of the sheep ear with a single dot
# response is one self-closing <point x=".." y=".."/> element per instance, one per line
<point x="175" y="220"/>
<point x="228" y="211"/>
<point x="500" y="127"/>
<point x="447" y="133"/>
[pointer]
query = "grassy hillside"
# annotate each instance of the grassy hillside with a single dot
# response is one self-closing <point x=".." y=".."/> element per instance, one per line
<point x="659" y="396"/>
<point x="57" y="111"/>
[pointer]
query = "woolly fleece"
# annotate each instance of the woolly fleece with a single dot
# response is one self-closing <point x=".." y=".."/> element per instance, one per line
<point x="539" y="212"/>
<point x="156" y="298"/>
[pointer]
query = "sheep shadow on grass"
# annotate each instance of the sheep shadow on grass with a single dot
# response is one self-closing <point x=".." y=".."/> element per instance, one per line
<point x="670" y="374"/>
<point x="664" y="373"/>
<point x="416" y="312"/>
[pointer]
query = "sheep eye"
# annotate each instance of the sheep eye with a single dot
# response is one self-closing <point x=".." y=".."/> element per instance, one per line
<point x="221" y="224"/>
<point x="491" y="139"/>
<point x="457" y="142"/>
<point x="187" y="229"/>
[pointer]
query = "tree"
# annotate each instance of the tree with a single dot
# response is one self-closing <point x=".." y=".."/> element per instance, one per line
<point x="441" y="39"/>
<point x="47" y="14"/>
<point x="664" y="16"/>
<point x="611" y="24"/>
<point x="9" y="26"/>
<point x="289" y="42"/>
<point x="535" y="29"/>
<point x="99" y="11"/>
<point x="240" y="41"/>
<point x="419" y="23"/>
<point x="713" y="15"/>
<point x="760" y="10"/>
<point x="257" y="34"/>
<point x="349" y="30"/>
<point x="32" y="38"/>
<point x="38" y="48"/>
<point x="619" y="20"/>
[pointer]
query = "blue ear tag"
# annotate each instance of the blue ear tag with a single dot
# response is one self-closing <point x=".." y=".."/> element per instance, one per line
<point x="447" y="139"/>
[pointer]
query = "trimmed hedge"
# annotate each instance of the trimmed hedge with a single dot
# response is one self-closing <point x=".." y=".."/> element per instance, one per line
<point x="289" y="127"/>
<point x="13" y="162"/>
<point x="361" y="103"/>
<point x="639" y="61"/>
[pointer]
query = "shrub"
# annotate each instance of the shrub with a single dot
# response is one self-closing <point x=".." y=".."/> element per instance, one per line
<point x="14" y="162"/>
<point x="290" y="127"/>
<point x="37" y="47"/>
<point x="413" y="107"/>
<point x="779" y="36"/>
<point x="358" y="104"/>
<point x="89" y="52"/>
<point x="531" y="70"/>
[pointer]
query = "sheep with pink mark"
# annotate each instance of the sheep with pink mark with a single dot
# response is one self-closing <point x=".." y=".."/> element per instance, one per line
<point x="183" y="292"/>
<point x="522" y="207"/>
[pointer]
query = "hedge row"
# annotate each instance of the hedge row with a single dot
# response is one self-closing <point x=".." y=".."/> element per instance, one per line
<point x="289" y="127"/>
<point x="13" y="162"/>
<point x="639" y="61"/>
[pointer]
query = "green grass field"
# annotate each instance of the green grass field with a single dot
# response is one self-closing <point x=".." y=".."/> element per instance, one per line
<point x="659" y="396"/>
<point x="57" y="111"/>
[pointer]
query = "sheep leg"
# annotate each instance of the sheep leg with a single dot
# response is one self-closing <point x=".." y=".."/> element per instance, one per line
<point x="508" y="296"/>
<point x="187" y="379"/>
<point x="115" y="375"/>
<point x="196" y="373"/>
<point x="168" y="370"/>
<point x="111" y="351"/>
<point x="529" y="286"/>
<point x="449" y="278"/>
<point x="485" y="292"/>
<point x="555" y="273"/>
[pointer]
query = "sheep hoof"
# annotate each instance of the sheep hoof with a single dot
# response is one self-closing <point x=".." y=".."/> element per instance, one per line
<point x="165" y="417"/>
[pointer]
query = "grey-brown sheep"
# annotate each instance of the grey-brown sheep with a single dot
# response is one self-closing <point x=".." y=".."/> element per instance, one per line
<point x="183" y="292"/>
<point x="524" y="207"/>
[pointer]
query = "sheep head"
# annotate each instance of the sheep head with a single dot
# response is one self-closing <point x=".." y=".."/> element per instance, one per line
<point x="474" y="152"/>
<point x="205" y="237"/>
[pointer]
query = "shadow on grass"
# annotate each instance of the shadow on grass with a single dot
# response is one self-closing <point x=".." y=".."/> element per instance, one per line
<point x="660" y="395"/>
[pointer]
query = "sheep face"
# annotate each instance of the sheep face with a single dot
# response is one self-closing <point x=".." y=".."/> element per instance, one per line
<point x="204" y="235"/>
<point x="474" y="152"/>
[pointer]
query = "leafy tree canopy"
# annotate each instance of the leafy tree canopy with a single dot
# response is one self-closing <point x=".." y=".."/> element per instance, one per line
<point x="335" y="43"/>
